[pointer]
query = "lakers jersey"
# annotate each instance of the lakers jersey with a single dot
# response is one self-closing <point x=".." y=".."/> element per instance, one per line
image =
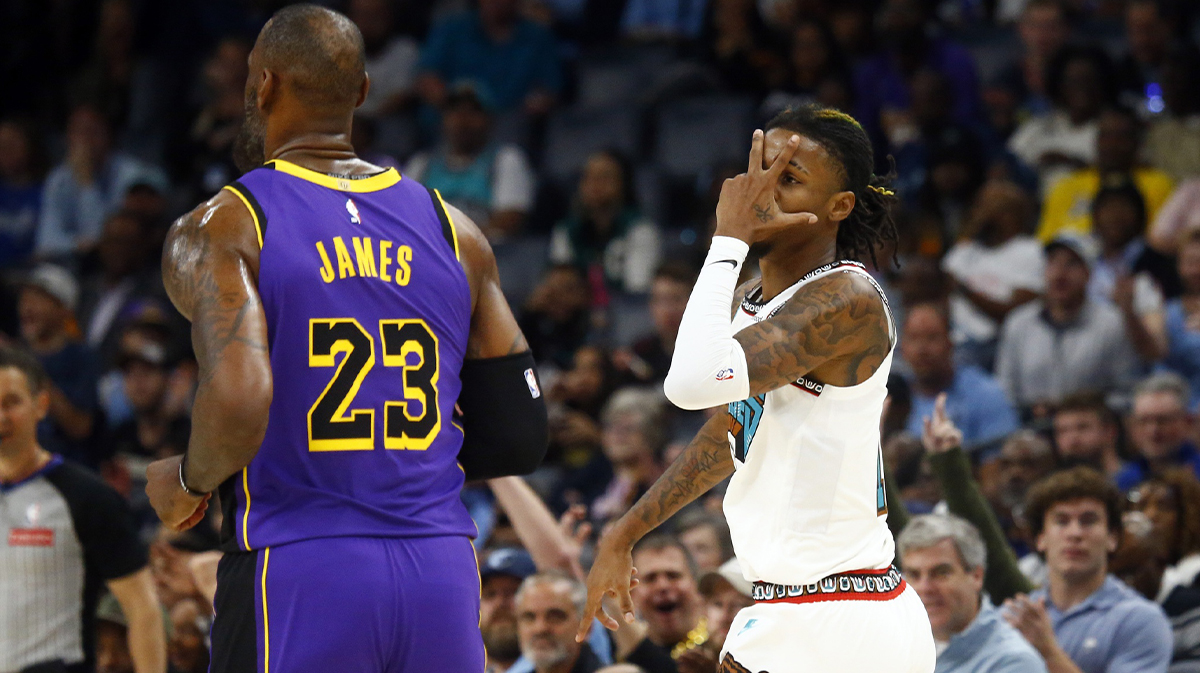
<point x="368" y="311"/>
<point x="806" y="499"/>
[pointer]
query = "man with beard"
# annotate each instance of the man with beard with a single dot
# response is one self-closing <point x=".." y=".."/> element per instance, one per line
<point x="499" y="578"/>
<point x="549" y="606"/>
<point x="338" y="312"/>
<point x="1086" y="432"/>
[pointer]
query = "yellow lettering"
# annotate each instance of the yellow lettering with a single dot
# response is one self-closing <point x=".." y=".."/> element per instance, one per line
<point x="345" y="266"/>
<point x="403" y="270"/>
<point x="326" y="266"/>
<point x="365" y="254"/>
<point x="384" y="261"/>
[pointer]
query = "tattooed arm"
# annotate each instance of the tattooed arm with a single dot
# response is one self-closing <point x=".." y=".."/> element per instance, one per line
<point x="210" y="269"/>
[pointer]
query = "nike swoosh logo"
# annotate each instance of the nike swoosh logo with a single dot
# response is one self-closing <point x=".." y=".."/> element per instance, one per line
<point x="732" y="262"/>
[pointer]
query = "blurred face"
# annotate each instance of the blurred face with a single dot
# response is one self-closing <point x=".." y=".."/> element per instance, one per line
<point x="88" y="132"/>
<point x="14" y="152"/>
<point x="1159" y="425"/>
<point x="720" y="608"/>
<point x="120" y="246"/>
<point x="1081" y="88"/>
<point x="1117" y="222"/>
<point x="466" y="127"/>
<point x="42" y="316"/>
<point x="186" y="647"/>
<point x="498" y="619"/>
<point x="949" y="591"/>
<point x="1043" y="30"/>
<point x="622" y="440"/>
<point x="1160" y="504"/>
<point x="1189" y="265"/>
<point x="810" y="54"/>
<point x="566" y="293"/>
<point x="585" y="381"/>
<point x="668" y="299"/>
<point x="667" y="597"/>
<point x="112" y="648"/>
<point x="811" y="183"/>
<point x="704" y="545"/>
<point x="1083" y="437"/>
<point x="20" y="411"/>
<point x="1147" y="32"/>
<point x="373" y="19"/>
<point x="930" y="98"/>
<point x="1075" y="539"/>
<point x="999" y="211"/>
<point x="1022" y="462"/>
<point x="926" y="346"/>
<point x="1116" y="142"/>
<point x="546" y="624"/>
<point x="1066" y="277"/>
<point x="145" y="385"/>
<point x="600" y="186"/>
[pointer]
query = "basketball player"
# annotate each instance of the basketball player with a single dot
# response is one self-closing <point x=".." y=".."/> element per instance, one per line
<point x="802" y="367"/>
<point x="337" y="311"/>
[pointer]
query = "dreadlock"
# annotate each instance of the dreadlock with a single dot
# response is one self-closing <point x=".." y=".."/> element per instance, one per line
<point x="870" y="224"/>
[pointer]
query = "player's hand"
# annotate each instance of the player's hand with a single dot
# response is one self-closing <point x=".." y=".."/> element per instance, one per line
<point x="747" y="209"/>
<point x="612" y="575"/>
<point x="174" y="506"/>
<point x="940" y="433"/>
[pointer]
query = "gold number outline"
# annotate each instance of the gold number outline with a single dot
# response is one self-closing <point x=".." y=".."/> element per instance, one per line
<point x="359" y="443"/>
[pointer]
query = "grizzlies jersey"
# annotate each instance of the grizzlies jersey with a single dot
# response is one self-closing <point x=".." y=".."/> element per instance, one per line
<point x="806" y="499"/>
<point x="368" y="311"/>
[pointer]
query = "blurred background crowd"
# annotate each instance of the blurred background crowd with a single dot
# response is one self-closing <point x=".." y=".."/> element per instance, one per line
<point x="1047" y="279"/>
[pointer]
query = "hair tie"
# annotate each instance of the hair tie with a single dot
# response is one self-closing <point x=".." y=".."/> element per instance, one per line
<point x="881" y="190"/>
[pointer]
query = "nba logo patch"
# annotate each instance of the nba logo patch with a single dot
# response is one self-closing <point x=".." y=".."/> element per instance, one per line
<point x="353" y="210"/>
<point x="531" y="381"/>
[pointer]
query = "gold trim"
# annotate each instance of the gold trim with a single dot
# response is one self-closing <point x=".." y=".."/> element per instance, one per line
<point x="373" y="183"/>
<point x="246" y="515"/>
<point x="266" y="621"/>
<point x="453" y="229"/>
<point x="253" y="215"/>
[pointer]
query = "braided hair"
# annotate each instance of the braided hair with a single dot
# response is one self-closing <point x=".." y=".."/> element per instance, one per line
<point x="870" y="225"/>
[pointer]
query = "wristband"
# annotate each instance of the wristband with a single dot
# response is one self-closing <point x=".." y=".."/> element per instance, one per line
<point x="183" y="482"/>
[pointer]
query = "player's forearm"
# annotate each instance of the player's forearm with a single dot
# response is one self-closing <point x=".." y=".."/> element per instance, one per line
<point x="706" y="462"/>
<point x="229" y="419"/>
<point x="708" y="367"/>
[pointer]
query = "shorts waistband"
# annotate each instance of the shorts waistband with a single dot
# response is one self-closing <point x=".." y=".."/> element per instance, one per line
<point x="856" y="585"/>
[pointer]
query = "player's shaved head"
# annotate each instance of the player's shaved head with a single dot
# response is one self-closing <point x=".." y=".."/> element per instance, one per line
<point x="319" y="53"/>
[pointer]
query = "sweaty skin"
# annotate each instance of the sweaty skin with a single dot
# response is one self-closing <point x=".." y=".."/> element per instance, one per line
<point x="790" y="201"/>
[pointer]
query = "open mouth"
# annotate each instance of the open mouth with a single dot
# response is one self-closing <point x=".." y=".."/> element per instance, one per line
<point x="666" y="608"/>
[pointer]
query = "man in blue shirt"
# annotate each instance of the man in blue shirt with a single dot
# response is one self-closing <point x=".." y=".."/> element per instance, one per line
<point x="516" y="59"/>
<point x="944" y="559"/>
<point x="974" y="400"/>
<point x="1085" y="620"/>
<point x="1159" y="429"/>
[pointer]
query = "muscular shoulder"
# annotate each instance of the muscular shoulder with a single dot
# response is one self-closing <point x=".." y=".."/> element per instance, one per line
<point x="220" y="226"/>
<point x="847" y="300"/>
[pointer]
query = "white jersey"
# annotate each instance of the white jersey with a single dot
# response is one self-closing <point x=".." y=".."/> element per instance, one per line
<point x="807" y="499"/>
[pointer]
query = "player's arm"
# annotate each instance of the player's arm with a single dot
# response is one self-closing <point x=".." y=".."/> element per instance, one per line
<point x="505" y="427"/>
<point x="210" y="269"/>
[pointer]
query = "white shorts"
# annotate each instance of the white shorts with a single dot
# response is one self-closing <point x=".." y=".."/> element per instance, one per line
<point x="890" y="636"/>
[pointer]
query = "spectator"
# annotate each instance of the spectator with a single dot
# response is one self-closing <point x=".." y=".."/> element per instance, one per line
<point x="76" y="536"/>
<point x="1160" y="428"/>
<point x="1182" y="329"/>
<point x="1024" y="459"/>
<point x="975" y="401"/>
<point x="668" y="598"/>
<point x="741" y="47"/>
<point x="500" y="576"/>
<point x="1173" y="140"/>
<point x="490" y="181"/>
<point x="391" y="59"/>
<point x="1171" y="501"/>
<point x="707" y="539"/>
<point x="606" y="234"/>
<point x="648" y="360"/>
<point x="1148" y="34"/>
<point x="155" y="431"/>
<point x="667" y="20"/>
<point x="513" y="58"/>
<point x="1079" y="81"/>
<point x="556" y="318"/>
<point x="815" y="62"/>
<point x="996" y="267"/>
<point x="112" y="638"/>
<point x="82" y="191"/>
<point x="549" y="608"/>
<point x="944" y="560"/>
<point x="20" y="191"/>
<point x="1084" y="619"/>
<point x="1043" y="30"/>
<point x="45" y="306"/>
<point x="725" y="592"/>
<point x="210" y="138"/>
<point x="954" y="173"/>
<point x="186" y="647"/>
<point x="1067" y="207"/>
<point x="1179" y="215"/>
<point x="633" y="440"/>
<point x="1065" y="342"/>
<point x="1086" y="433"/>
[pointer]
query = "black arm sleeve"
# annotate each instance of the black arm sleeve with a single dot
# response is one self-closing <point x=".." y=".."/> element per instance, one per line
<point x="505" y="430"/>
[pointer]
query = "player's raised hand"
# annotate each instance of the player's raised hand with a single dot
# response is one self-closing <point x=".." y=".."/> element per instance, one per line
<point x="747" y="208"/>
<point x="940" y="433"/>
<point x="612" y="574"/>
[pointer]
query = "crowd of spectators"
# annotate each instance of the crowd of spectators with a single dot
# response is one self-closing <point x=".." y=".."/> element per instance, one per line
<point x="1043" y="419"/>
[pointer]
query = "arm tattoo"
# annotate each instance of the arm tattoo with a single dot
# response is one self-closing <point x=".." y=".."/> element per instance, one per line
<point x="836" y="323"/>
<point x="706" y="462"/>
<point x="764" y="214"/>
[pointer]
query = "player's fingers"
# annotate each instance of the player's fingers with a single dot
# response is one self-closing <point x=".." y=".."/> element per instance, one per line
<point x="606" y="619"/>
<point x="791" y="219"/>
<point x="626" y="603"/>
<point x="756" y="153"/>
<point x="784" y="157"/>
<point x="589" y="613"/>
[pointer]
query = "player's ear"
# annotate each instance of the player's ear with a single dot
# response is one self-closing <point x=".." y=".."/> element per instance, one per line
<point x="268" y="89"/>
<point x="840" y="205"/>
<point x="363" y="90"/>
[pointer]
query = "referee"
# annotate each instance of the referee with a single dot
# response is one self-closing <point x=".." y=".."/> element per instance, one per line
<point x="66" y="535"/>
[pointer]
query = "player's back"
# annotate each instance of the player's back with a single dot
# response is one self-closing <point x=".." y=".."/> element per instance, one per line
<point x="806" y="500"/>
<point x="368" y="312"/>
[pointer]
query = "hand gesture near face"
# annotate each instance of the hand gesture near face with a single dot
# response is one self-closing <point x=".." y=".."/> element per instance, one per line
<point x="748" y="209"/>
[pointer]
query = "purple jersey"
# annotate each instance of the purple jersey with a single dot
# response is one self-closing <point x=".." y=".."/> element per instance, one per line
<point x="368" y="312"/>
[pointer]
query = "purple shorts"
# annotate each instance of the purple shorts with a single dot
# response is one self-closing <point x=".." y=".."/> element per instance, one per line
<point x="352" y="605"/>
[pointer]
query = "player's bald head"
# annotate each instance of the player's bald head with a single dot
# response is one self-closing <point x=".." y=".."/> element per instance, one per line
<point x="319" y="53"/>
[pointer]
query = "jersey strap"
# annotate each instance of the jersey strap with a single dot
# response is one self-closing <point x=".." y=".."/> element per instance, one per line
<point x="448" y="229"/>
<point x="256" y="212"/>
